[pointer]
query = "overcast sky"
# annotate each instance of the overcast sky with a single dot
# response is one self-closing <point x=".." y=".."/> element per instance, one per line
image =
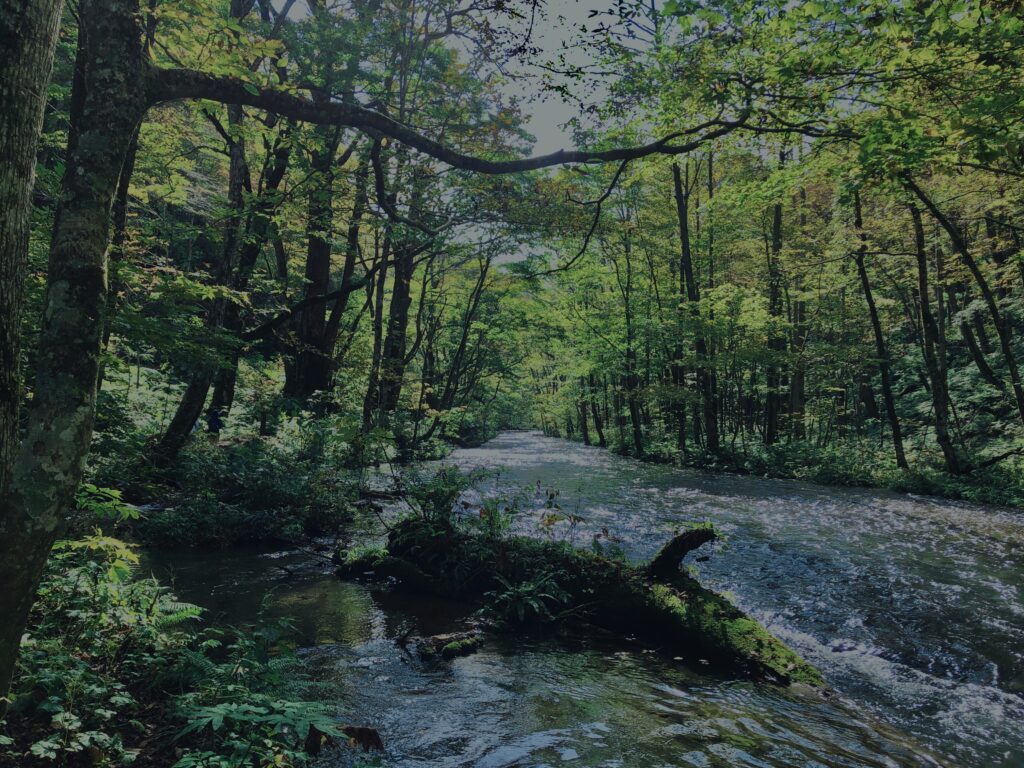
<point x="548" y="114"/>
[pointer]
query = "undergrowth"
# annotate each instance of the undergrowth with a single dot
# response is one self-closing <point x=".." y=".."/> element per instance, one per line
<point x="115" y="671"/>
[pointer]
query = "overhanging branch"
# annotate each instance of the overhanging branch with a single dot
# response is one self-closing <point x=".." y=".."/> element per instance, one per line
<point x="173" y="84"/>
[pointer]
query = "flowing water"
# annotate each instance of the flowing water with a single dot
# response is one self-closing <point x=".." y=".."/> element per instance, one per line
<point x="912" y="607"/>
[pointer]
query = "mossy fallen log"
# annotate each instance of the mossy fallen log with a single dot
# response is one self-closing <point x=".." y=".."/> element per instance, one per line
<point x="658" y="602"/>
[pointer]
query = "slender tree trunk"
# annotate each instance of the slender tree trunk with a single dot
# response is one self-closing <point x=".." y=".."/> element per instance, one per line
<point x="190" y="407"/>
<point x="373" y="380"/>
<point x="310" y="370"/>
<point x="392" y="368"/>
<point x="595" y="411"/>
<point x="705" y="372"/>
<point x="773" y="396"/>
<point x="581" y="407"/>
<point x="258" y="231"/>
<point x="987" y="374"/>
<point x="798" y="344"/>
<point x="1002" y="327"/>
<point x="936" y="374"/>
<point x="880" y="348"/>
<point x="119" y="216"/>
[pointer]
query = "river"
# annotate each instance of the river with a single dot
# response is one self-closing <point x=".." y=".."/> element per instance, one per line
<point x="912" y="607"/>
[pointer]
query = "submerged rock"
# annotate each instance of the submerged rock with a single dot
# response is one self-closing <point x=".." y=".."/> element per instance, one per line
<point x="448" y="646"/>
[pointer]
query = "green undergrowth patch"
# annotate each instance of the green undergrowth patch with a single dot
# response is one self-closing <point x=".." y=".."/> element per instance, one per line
<point x="246" y="492"/>
<point x="115" y="671"/>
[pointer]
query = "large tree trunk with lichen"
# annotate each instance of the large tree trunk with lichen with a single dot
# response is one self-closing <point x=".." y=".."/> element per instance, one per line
<point x="658" y="601"/>
<point x="108" y="101"/>
<point x="28" y="35"/>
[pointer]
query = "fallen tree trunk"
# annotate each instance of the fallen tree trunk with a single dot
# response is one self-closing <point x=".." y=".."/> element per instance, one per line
<point x="659" y="602"/>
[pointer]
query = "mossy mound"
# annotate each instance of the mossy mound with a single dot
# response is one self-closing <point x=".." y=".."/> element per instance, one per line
<point x="663" y="605"/>
<point x="450" y="646"/>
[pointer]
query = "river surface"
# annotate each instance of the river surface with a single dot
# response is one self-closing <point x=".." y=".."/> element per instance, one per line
<point x="912" y="607"/>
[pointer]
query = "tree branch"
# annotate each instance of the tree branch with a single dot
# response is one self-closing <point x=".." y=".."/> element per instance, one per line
<point x="173" y="84"/>
<point x="264" y="330"/>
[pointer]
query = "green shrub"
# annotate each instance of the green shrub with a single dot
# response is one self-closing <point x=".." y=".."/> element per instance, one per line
<point x="535" y="600"/>
<point x="114" y="670"/>
<point x="248" y="492"/>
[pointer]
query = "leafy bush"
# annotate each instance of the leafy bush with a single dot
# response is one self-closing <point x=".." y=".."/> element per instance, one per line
<point x="248" y="492"/>
<point x="528" y="601"/>
<point x="433" y="497"/>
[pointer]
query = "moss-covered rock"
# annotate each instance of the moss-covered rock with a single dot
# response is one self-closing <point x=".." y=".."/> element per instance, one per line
<point x="449" y="646"/>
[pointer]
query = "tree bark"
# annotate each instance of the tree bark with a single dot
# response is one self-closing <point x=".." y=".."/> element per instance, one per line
<point x="773" y="396"/>
<point x="880" y="347"/>
<point x="706" y="369"/>
<point x="936" y="373"/>
<point x="28" y="36"/>
<point x="107" y="104"/>
<point x="310" y="370"/>
<point x="595" y="411"/>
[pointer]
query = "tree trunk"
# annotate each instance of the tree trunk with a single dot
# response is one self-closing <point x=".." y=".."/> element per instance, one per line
<point x="108" y="102"/>
<point x="595" y="411"/>
<point x="1002" y="327"/>
<point x="259" y="229"/>
<point x="373" y="379"/>
<point x="705" y="372"/>
<point x="630" y="380"/>
<point x="773" y="397"/>
<point x="936" y="374"/>
<point x="28" y="36"/>
<point x="581" y="407"/>
<point x="226" y="273"/>
<point x="392" y="367"/>
<point x="310" y="370"/>
<point x="659" y="601"/>
<point x="880" y="348"/>
<point x="798" y="345"/>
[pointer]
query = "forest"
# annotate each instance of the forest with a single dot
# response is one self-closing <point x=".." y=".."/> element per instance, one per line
<point x="431" y="336"/>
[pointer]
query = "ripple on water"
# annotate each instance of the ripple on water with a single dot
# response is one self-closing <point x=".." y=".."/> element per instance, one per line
<point x="911" y="605"/>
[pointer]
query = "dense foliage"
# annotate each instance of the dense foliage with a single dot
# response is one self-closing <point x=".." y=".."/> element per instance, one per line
<point x="268" y="245"/>
<point x="837" y="297"/>
<point x="115" y="671"/>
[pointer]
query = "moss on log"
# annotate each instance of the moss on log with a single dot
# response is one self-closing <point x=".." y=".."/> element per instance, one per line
<point x="659" y="602"/>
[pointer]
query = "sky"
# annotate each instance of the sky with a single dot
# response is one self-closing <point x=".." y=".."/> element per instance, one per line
<point x="548" y="114"/>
